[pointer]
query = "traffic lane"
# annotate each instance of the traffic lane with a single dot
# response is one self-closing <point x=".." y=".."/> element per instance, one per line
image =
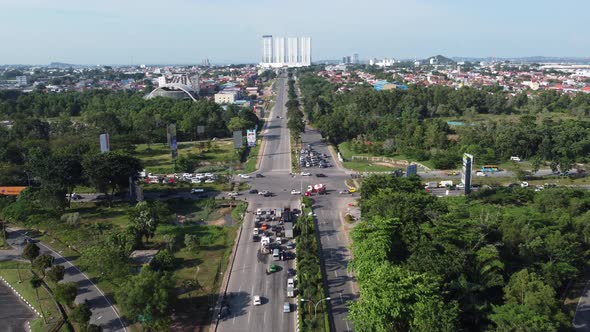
<point x="336" y="257"/>
<point x="249" y="278"/>
<point x="103" y="312"/>
<point x="14" y="313"/>
<point x="581" y="321"/>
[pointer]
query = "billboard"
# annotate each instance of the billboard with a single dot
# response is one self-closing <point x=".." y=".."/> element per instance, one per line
<point x="411" y="170"/>
<point x="237" y="139"/>
<point x="171" y="135"/>
<point x="173" y="147"/>
<point x="251" y="137"/>
<point x="11" y="191"/>
<point x="466" y="172"/>
<point x="105" y="143"/>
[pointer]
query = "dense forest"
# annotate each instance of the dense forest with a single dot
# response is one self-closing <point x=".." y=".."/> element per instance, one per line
<point x="409" y="122"/>
<point x="498" y="260"/>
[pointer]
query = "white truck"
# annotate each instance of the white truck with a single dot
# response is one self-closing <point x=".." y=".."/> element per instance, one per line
<point x="431" y="184"/>
<point x="265" y="245"/>
<point x="446" y="183"/>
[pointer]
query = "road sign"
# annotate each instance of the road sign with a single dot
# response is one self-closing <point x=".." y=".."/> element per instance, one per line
<point x="466" y="172"/>
<point x="251" y="137"/>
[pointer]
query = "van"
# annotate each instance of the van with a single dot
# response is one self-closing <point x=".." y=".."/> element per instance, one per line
<point x="513" y="158"/>
<point x="275" y="254"/>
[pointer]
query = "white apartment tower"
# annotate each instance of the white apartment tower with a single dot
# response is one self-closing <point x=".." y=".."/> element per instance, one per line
<point x="285" y="52"/>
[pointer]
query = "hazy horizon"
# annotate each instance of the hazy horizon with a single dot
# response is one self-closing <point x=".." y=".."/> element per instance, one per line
<point x="37" y="32"/>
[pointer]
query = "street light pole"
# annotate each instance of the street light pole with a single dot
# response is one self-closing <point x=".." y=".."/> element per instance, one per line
<point x="315" y="309"/>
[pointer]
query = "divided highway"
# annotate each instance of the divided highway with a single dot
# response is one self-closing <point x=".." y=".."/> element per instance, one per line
<point x="248" y="276"/>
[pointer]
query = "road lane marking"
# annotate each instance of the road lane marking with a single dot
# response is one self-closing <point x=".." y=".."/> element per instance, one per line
<point x="249" y="314"/>
<point x="336" y="273"/>
<point x="347" y="327"/>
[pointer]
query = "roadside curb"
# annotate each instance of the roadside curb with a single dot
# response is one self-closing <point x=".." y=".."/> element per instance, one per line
<point x="22" y="299"/>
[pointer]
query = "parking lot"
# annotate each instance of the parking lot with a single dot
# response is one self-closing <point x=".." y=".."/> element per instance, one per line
<point x="13" y="312"/>
<point x="310" y="158"/>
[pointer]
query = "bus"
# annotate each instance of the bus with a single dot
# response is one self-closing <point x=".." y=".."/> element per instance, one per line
<point x="490" y="168"/>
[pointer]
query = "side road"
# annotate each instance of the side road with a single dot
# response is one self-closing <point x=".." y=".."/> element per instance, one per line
<point x="104" y="313"/>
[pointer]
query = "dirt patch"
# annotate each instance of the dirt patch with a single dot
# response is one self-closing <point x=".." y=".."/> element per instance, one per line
<point x="222" y="214"/>
<point x="388" y="164"/>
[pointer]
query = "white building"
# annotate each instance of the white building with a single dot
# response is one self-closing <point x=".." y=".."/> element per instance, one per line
<point x="226" y="97"/>
<point x="21" y="80"/>
<point x="285" y="52"/>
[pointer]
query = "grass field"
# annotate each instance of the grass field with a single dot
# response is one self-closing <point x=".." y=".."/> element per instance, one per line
<point x="205" y="264"/>
<point x="157" y="159"/>
<point x="369" y="166"/>
<point x="10" y="272"/>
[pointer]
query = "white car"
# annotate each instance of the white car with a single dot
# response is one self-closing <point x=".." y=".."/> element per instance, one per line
<point x="305" y="174"/>
<point x="295" y="192"/>
<point x="210" y="181"/>
<point x="256" y="300"/>
<point x="480" y="174"/>
<point x="524" y="184"/>
<point x="279" y="240"/>
<point x="244" y="176"/>
<point x="258" y="212"/>
<point x="233" y="194"/>
<point x="195" y="180"/>
<point x="290" y="282"/>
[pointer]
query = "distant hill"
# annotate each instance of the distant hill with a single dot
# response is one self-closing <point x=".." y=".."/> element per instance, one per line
<point x="529" y="59"/>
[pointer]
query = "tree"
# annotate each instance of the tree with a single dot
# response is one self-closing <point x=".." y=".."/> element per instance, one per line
<point x="518" y="318"/>
<point x="66" y="293"/>
<point x="110" y="171"/>
<point x="31" y="251"/>
<point x="36" y="283"/>
<point x="164" y="261"/>
<point x="56" y="273"/>
<point x="395" y="299"/>
<point x="81" y="314"/>
<point x="41" y="263"/>
<point x="148" y="296"/>
<point x="145" y="219"/>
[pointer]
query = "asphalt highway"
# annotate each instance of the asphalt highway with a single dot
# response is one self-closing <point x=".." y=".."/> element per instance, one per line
<point x="248" y="276"/>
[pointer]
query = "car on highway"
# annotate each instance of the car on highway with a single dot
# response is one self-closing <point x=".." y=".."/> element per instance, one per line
<point x="209" y="181"/>
<point x="480" y="174"/>
<point x="244" y="176"/>
<point x="291" y="272"/>
<point x="265" y="193"/>
<point x="272" y="268"/>
<point x="287" y="307"/>
<point x="351" y="190"/>
<point x="196" y="191"/>
<point x="233" y="194"/>
<point x="256" y="300"/>
<point x="344" y="191"/>
<point x="320" y="175"/>
<point x="290" y="282"/>
<point x="295" y="192"/>
<point x="305" y="174"/>
<point x="253" y="191"/>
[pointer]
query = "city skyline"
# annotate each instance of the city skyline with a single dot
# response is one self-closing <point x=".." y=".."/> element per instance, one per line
<point x="186" y="32"/>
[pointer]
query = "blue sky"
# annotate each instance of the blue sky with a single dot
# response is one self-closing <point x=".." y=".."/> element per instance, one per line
<point x="228" y="31"/>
